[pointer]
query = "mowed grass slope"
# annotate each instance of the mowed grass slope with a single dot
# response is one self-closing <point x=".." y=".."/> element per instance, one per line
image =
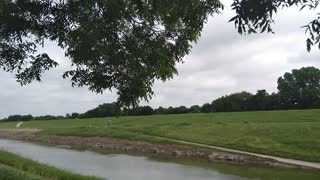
<point x="293" y="134"/>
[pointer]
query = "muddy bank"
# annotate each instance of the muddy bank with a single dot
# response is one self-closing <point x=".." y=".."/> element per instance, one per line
<point x="99" y="143"/>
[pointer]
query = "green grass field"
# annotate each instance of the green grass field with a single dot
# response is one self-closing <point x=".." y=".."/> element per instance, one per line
<point x="293" y="134"/>
<point x="18" y="168"/>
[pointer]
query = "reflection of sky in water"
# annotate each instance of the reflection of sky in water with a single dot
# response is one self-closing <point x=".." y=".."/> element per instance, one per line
<point x="113" y="167"/>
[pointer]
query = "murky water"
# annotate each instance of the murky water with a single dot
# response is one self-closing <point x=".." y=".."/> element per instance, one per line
<point x="123" y="166"/>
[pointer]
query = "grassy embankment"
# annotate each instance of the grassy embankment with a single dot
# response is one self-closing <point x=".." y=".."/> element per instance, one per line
<point x="293" y="134"/>
<point x="18" y="168"/>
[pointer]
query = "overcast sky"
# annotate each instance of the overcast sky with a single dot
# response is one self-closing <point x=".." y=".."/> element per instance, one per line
<point x="222" y="62"/>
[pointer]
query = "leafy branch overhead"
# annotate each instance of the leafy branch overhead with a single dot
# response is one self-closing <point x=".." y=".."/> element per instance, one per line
<point x="252" y="16"/>
<point x="115" y="44"/>
<point x="120" y="44"/>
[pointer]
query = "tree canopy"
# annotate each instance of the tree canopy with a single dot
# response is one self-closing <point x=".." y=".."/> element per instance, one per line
<point x="300" y="88"/>
<point x="122" y="45"/>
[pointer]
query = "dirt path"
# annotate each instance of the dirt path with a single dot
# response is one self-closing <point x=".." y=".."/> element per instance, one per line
<point x="196" y="151"/>
<point x="19" y="124"/>
<point x="280" y="159"/>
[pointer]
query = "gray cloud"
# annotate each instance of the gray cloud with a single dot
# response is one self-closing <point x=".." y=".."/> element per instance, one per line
<point x="222" y="62"/>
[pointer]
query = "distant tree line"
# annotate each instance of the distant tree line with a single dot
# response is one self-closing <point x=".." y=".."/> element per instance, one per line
<point x="19" y="118"/>
<point x="103" y="110"/>
<point x="30" y="118"/>
<point x="299" y="89"/>
<point x="236" y="102"/>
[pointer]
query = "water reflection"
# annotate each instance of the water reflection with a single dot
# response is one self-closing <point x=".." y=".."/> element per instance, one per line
<point x="123" y="166"/>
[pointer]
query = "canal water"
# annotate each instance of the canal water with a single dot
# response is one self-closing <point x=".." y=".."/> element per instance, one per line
<point x="116" y="166"/>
